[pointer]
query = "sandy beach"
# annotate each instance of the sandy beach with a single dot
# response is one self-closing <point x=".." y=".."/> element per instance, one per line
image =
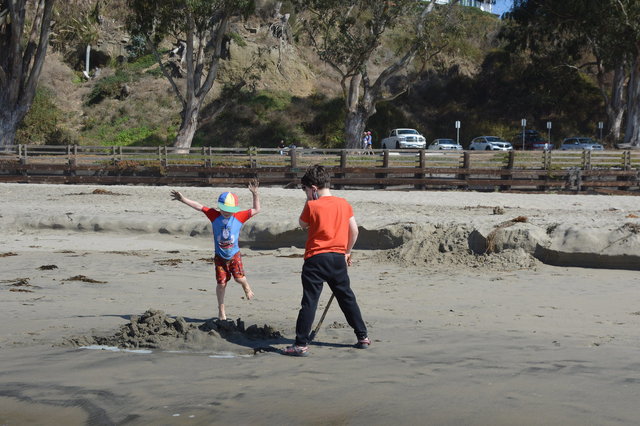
<point x="483" y="309"/>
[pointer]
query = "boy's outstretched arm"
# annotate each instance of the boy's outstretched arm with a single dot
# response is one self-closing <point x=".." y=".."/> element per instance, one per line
<point x="194" y="204"/>
<point x="253" y="187"/>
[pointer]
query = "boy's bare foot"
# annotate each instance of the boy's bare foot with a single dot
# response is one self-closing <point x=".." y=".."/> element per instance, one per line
<point x="221" y="314"/>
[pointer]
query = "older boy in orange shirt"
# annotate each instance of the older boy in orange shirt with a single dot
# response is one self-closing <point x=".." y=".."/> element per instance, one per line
<point x="332" y="233"/>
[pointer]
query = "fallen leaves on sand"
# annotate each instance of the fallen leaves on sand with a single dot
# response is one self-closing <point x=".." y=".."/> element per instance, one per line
<point x="18" y="284"/>
<point x="48" y="267"/>
<point x="125" y="253"/>
<point x="85" y="279"/>
<point x="8" y="254"/>
<point x="169" y="262"/>
<point x="634" y="228"/>
<point x="632" y="216"/>
<point x="98" y="191"/>
<point x="206" y="259"/>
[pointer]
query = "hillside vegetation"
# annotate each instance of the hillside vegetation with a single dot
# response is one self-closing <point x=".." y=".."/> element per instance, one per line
<point x="297" y="98"/>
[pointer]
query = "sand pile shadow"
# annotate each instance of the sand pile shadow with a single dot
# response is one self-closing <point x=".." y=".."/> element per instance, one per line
<point x="156" y="330"/>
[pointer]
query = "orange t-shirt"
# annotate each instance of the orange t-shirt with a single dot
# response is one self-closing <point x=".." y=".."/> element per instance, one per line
<point x="328" y="219"/>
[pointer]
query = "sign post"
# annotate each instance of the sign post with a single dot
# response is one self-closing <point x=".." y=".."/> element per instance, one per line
<point x="458" y="132"/>
<point x="524" y="125"/>
<point x="600" y="127"/>
<point x="549" y="132"/>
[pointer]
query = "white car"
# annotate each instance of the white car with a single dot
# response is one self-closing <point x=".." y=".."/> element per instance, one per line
<point x="444" y="144"/>
<point x="581" y="143"/>
<point x="404" y="138"/>
<point x="490" y="143"/>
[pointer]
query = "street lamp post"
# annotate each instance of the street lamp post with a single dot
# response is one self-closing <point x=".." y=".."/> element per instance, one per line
<point x="458" y="132"/>
<point x="524" y="125"/>
<point x="549" y="132"/>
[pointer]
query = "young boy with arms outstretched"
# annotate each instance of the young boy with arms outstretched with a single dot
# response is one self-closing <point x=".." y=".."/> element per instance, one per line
<point x="332" y="232"/>
<point x="226" y="224"/>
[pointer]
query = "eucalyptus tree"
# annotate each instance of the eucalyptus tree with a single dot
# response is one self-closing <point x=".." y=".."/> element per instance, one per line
<point x="598" y="35"/>
<point x="200" y="26"/>
<point x="24" y="37"/>
<point x="349" y="36"/>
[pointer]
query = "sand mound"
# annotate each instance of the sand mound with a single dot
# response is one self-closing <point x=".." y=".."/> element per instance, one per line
<point x="450" y="245"/>
<point x="156" y="330"/>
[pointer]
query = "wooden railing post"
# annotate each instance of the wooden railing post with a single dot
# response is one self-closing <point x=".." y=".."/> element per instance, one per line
<point x="511" y="160"/>
<point x="293" y="165"/>
<point x="293" y="158"/>
<point x="165" y="160"/>
<point x="422" y="163"/>
<point x="343" y="165"/>
<point x="72" y="162"/>
<point x="586" y="159"/>
<point x="626" y="160"/>
<point x="466" y="162"/>
<point x="23" y="155"/>
<point x="385" y="165"/>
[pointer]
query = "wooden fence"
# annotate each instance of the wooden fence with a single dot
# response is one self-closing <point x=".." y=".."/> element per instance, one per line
<point x="609" y="171"/>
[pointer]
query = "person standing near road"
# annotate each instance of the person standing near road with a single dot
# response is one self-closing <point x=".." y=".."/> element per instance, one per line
<point x="332" y="232"/>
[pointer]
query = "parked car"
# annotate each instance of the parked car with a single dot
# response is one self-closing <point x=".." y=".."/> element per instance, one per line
<point x="532" y="140"/>
<point x="404" y="138"/>
<point x="489" y="143"/>
<point x="444" y="144"/>
<point x="580" y="143"/>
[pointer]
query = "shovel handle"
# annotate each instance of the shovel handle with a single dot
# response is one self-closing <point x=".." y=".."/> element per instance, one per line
<point x="324" y="314"/>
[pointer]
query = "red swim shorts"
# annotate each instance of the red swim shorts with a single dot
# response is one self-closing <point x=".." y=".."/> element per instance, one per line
<point x="227" y="268"/>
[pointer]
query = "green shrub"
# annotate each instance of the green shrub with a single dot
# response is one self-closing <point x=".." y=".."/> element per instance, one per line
<point x="141" y="63"/>
<point x="41" y="122"/>
<point x="108" y="87"/>
<point x="237" y="38"/>
<point x="266" y="101"/>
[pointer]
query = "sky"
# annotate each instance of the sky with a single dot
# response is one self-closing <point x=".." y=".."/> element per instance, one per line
<point x="502" y="6"/>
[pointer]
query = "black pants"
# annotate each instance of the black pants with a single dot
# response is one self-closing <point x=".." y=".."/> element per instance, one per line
<point x="332" y="269"/>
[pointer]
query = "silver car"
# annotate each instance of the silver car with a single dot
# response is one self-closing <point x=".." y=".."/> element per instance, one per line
<point x="490" y="143"/>
<point x="444" y="144"/>
<point x="581" y="143"/>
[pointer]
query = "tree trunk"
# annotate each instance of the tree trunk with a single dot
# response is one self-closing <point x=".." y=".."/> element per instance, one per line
<point x="359" y="109"/>
<point x="616" y="106"/>
<point x="188" y="128"/>
<point x="632" y="132"/>
<point x="353" y="129"/>
<point x="21" y="62"/>
<point x="8" y="128"/>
